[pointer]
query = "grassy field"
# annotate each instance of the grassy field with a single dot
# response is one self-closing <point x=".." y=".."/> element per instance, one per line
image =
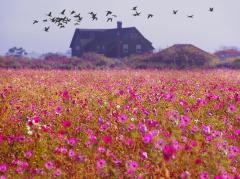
<point x="119" y="124"/>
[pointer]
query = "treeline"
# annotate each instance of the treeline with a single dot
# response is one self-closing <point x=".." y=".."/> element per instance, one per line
<point x="97" y="61"/>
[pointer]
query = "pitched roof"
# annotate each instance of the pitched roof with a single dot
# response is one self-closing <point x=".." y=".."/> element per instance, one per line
<point x="111" y="34"/>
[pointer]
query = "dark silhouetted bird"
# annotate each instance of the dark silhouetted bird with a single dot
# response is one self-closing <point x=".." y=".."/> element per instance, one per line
<point x="211" y="9"/>
<point x="53" y="19"/>
<point x="94" y="17"/>
<point x="49" y="14"/>
<point x="72" y="12"/>
<point x="91" y="13"/>
<point x="46" y="29"/>
<point x="150" y="16"/>
<point x="134" y="8"/>
<point x="63" y="12"/>
<point x="175" y="11"/>
<point x="35" y="22"/>
<point x="45" y="20"/>
<point x="191" y="16"/>
<point x="137" y="13"/>
<point x="109" y="13"/>
<point x="109" y="19"/>
<point x="77" y="16"/>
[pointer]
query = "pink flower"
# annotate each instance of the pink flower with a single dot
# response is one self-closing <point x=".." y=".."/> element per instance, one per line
<point x="101" y="163"/>
<point x="57" y="173"/>
<point x="184" y="121"/>
<point x="129" y="142"/>
<point x="65" y="95"/>
<point x="28" y="154"/>
<point x="132" y="166"/>
<point x="49" y="165"/>
<point x="185" y="174"/>
<point x="101" y="149"/>
<point x="147" y="138"/>
<point x="204" y="175"/>
<point x="107" y="139"/>
<point x="66" y="124"/>
<point x="72" y="141"/>
<point x="3" y="168"/>
<point x="206" y="129"/>
<point x="122" y="118"/>
<point x="193" y="143"/>
<point x="3" y="177"/>
<point x="71" y="153"/>
<point x="232" y="108"/>
<point x="168" y="152"/>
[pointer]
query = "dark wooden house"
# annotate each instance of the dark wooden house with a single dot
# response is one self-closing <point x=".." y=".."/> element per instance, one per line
<point x="117" y="42"/>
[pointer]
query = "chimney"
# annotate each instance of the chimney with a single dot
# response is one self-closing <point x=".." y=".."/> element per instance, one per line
<point x="119" y="24"/>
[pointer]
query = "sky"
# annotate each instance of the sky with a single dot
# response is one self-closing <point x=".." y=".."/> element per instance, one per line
<point x="206" y="30"/>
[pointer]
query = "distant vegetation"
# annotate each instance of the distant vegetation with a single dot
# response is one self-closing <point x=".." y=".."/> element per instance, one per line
<point x="176" y="57"/>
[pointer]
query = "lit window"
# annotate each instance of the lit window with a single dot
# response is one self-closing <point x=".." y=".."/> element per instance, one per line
<point x="138" y="48"/>
<point x="125" y="48"/>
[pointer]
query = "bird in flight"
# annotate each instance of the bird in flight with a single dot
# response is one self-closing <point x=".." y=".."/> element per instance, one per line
<point x="211" y="9"/>
<point x="109" y="13"/>
<point x="134" y="8"/>
<point x="49" y="14"/>
<point x="137" y="13"/>
<point x="72" y="12"/>
<point x="109" y="19"/>
<point x="35" y="22"/>
<point x="63" y="12"/>
<point x="46" y="29"/>
<point x="175" y="11"/>
<point x="190" y="16"/>
<point x="94" y="16"/>
<point x="150" y="16"/>
<point x="45" y="20"/>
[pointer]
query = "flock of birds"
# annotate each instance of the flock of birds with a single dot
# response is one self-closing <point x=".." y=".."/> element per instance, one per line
<point x="63" y="19"/>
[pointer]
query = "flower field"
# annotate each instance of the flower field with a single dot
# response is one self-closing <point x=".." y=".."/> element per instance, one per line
<point x="120" y="124"/>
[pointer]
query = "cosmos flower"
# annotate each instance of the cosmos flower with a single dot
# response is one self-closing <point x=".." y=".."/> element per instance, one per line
<point x="49" y="165"/>
<point x="101" y="163"/>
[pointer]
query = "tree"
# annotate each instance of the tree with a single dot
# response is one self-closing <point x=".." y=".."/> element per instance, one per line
<point x="16" y="52"/>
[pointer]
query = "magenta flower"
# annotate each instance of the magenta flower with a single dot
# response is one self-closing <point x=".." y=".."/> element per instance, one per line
<point x="168" y="152"/>
<point x="71" y="153"/>
<point x="101" y="163"/>
<point x="107" y="139"/>
<point x="72" y="141"/>
<point x="57" y="173"/>
<point x="232" y="108"/>
<point x="204" y="175"/>
<point x="28" y="154"/>
<point x="206" y="129"/>
<point x="49" y="165"/>
<point x="132" y="166"/>
<point x="184" y="121"/>
<point x="66" y="124"/>
<point x="65" y="95"/>
<point x="3" y="168"/>
<point x="122" y="118"/>
<point x="147" y="138"/>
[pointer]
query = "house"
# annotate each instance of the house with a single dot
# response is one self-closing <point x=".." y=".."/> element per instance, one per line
<point x="117" y="42"/>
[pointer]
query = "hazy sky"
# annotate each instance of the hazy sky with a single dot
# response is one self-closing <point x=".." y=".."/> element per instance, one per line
<point x="208" y="31"/>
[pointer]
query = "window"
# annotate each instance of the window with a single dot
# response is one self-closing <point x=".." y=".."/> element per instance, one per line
<point x="138" y="48"/>
<point x="125" y="48"/>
